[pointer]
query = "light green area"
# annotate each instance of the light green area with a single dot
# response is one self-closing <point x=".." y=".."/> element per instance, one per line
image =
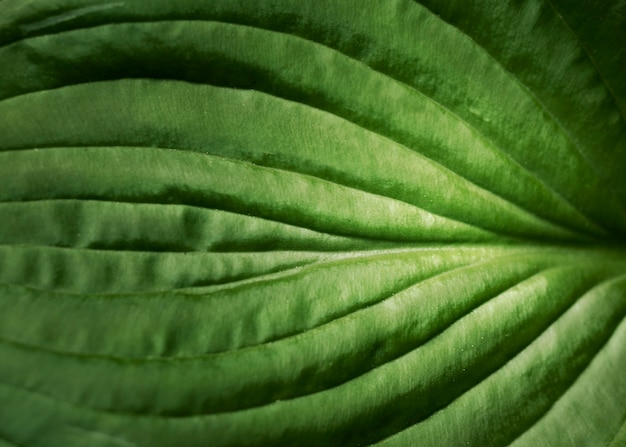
<point x="338" y="223"/>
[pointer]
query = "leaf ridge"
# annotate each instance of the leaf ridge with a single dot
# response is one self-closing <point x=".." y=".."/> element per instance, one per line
<point x="448" y="111"/>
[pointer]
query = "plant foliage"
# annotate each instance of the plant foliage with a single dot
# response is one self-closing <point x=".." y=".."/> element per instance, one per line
<point x="333" y="222"/>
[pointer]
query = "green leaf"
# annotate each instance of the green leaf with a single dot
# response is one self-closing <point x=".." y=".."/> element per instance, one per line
<point x="342" y="223"/>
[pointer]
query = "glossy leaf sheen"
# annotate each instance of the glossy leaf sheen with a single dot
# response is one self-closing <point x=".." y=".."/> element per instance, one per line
<point x="342" y="223"/>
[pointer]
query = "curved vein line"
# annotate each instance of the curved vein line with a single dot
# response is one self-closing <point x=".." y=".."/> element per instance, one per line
<point x="517" y="209"/>
<point x="448" y="111"/>
<point x="391" y="359"/>
<point x="132" y="251"/>
<point x="55" y="401"/>
<point x="350" y="311"/>
<point x="564" y="131"/>
<point x="66" y="16"/>
<point x="306" y="238"/>
<point x="512" y="256"/>
<point x="212" y="287"/>
<point x="225" y="210"/>
<point x="208" y="357"/>
<point x="201" y="357"/>
<point x="207" y="415"/>
<point x="489" y="374"/>
<point x="186" y="292"/>
<point x="619" y="431"/>
<point x="490" y="143"/>
<point x="492" y="373"/>
<point x="296" y="271"/>
<point x="135" y="360"/>
<point x="589" y="55"/>
<point x="573" y="382"/>
<point x="252" y="165"/>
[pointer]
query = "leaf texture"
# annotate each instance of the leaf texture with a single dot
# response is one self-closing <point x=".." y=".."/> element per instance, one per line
<point x="325" y="223"/>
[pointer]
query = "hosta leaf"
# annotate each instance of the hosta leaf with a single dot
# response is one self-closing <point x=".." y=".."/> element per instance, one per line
<point x="312" y="223"/>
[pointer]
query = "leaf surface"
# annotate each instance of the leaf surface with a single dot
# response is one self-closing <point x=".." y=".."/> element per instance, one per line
<point x="324" y="223"/>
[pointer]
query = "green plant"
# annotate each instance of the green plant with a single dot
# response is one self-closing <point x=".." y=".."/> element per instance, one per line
<point x="312" y="223"/>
